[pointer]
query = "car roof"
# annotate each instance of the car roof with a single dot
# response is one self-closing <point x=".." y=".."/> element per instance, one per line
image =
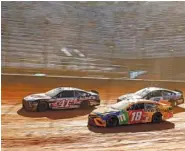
<point x="70" y="88"/>
<point x="126" y="103"/>
<point x="156" y="88"/>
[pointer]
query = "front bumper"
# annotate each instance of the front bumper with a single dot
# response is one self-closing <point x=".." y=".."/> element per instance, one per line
<point x="94" y="120"/>
<point x="29" y="105"/>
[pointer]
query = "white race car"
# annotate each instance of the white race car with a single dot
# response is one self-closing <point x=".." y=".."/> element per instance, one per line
<point x="174" y="97"/>
<point x="61" y="98"/>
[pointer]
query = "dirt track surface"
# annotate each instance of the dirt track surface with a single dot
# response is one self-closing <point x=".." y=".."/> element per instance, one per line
<point x="67" y="130"/>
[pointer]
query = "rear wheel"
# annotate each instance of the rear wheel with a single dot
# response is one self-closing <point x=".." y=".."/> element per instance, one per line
<point x="42" y="106"/>
<point x="112" y="121"/>
<point x="85" y="104"/>
<point x="157" y="118"/>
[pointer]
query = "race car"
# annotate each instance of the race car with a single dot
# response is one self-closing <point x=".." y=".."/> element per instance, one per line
<point x="156" y="94"/>
<point x="61" y="98"/>
<point x="130" y="112"/>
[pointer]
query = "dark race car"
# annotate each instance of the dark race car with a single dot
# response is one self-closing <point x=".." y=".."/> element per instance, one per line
<point x="61" y="98"/>
<point x="173" y="97"/>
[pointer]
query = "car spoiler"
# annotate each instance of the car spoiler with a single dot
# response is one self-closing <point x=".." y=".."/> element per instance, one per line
<point x="94" y="91"/>
<point x="178" y="91"/>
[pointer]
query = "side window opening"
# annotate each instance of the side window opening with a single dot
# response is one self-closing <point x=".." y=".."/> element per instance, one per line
<point x="167" y="93"/>
<point x="154" y="94"/>
<point x="138" y="106"/>
<point x="80" y="94"/>
<point x="150" y="106"/>
<point x="67" y="94"/>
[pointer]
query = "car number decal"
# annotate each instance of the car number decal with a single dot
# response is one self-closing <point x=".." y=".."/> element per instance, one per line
<point x="65" y="103"/>
<point x="135" y="116"/>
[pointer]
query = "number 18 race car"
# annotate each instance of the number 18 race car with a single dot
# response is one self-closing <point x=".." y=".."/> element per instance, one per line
<point x="61" y="98"/>
<point x="130" y="112"/>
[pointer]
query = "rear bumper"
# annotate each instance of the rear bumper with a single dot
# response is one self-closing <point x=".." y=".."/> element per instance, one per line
<point x="94" y="102"/>
<point x="28" y="106"/>
<point x="180" y="101"/>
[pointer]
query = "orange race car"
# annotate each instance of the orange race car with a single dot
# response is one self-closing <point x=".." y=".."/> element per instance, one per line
<point x="130" y="112"/>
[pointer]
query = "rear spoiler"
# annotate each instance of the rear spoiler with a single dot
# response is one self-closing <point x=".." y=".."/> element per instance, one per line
<point x="94" y="91"/>
<point x="178" y="91"/>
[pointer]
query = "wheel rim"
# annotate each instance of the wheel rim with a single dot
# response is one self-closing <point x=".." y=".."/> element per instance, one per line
<point x="112" y="122"/>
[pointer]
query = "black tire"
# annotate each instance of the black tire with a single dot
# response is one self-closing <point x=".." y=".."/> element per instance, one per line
<point x="85" y="104"/>
<point x="157" y="118"/>
<point x="112" y="121"/>
<point x="42" y="106"/>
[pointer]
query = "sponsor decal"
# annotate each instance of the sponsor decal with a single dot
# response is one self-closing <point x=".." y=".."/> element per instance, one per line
<point x="65" y="103"/>
<point x="123" y="117"/>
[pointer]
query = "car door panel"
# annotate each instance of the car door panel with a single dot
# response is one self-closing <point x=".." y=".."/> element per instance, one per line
<point x="136" y="112"/>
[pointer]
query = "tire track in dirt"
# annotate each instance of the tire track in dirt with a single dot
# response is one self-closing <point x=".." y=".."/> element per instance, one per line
<point x="42" y="133"/>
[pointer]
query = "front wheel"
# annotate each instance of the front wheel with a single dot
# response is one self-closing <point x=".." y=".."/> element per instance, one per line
<point x="157" y="118"/>
<point x="42" y="106"/>
<point x="112" y="121"/>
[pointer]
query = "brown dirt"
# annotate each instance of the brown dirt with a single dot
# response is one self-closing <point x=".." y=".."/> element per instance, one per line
<point x="67" y="130"/>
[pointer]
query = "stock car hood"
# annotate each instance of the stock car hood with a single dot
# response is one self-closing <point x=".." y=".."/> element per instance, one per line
<point x="104" y="110"/>
<point x="129" y="96"/>
<point x="38" y="96"/>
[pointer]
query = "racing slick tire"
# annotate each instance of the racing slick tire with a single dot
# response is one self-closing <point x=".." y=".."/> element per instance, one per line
<point x="157" y="118"/>
<point x="112" y="121"/>
<point x="42" y="106"/>
<point x="85" y="104"/>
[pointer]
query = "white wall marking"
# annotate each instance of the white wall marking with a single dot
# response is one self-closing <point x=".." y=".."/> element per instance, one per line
<point x="67" y="53"/>
<point x="79" y="53"/>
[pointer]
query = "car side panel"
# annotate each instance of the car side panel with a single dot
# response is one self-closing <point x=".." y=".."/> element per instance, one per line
<point x="123" y="117"/>
<point x="65" y="103"/>
<point x="135" y="116"/>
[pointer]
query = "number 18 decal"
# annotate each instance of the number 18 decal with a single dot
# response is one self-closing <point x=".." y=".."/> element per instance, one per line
<point x="136" y="116"/>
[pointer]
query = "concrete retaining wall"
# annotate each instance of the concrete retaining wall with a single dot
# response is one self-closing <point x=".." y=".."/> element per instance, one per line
<point x="16" y="87"/>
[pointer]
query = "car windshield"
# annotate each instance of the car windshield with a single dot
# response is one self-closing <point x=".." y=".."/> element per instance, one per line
<point x="142" y="92"/>
<point x="120" y="105"/>
<point x="53" y="92"/>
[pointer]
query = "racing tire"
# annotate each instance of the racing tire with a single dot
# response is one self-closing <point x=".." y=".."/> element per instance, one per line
<point x="85" y="104"/>
<point x="157" y="118"/>
<point x="42" y="106"/>
<point x="112" y="121"/>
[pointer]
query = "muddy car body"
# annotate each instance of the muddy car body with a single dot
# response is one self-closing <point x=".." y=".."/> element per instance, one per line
<point x="61" y="98"/>
<point x="130" y="112"/>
